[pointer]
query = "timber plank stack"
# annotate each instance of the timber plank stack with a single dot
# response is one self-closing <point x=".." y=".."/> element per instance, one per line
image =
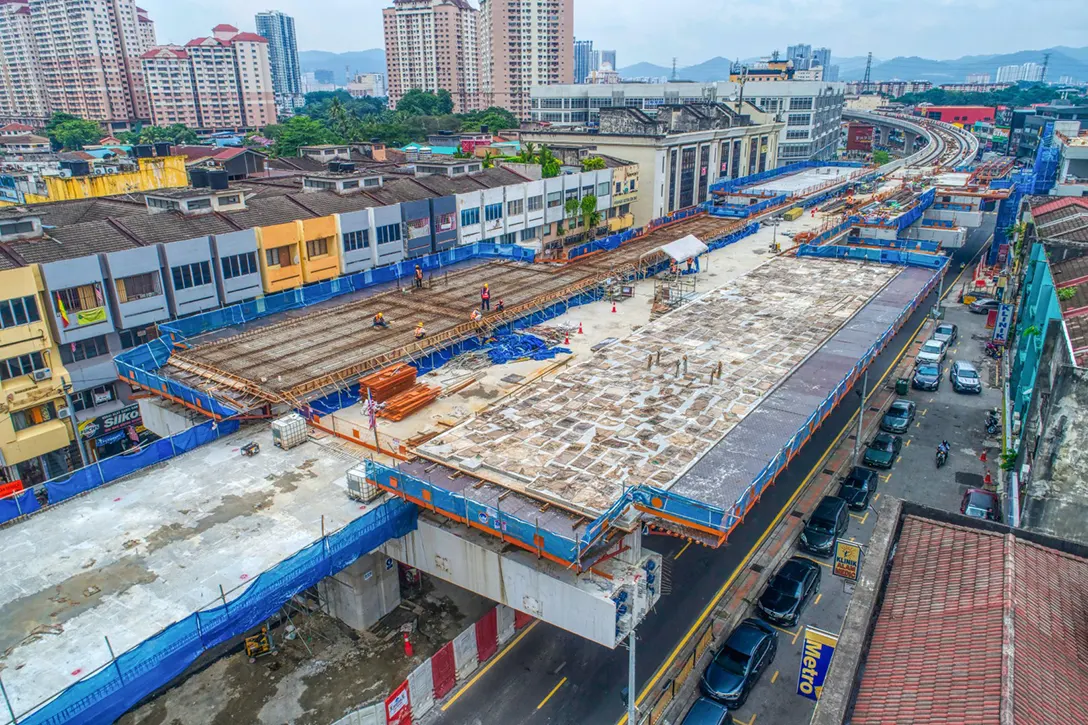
<point x="388" y="382"/>
<point x="402" y="405"/>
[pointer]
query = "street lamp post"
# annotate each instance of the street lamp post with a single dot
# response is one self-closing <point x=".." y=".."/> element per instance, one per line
<point x="632" y="709"/>
<point x="861" y="412"/>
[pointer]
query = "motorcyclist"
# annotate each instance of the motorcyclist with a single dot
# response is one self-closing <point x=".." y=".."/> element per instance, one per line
<point x="943" y="448"/>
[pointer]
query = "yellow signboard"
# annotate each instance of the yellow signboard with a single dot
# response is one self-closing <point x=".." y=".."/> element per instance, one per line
<point x="847" y="562"/>
<point x="91" y="316"/>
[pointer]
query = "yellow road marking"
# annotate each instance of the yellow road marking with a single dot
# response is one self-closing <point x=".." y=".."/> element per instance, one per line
<point x="907" y="444"/>
<point x="490" y="664"/>
<point x="774" y="676"/>
<point x="816" y="561"/>
<point x="817" y="600"/>
<point x="554" y="690"/>
<point x="741" y="722"/>
<point x="865" y="517"/>
<point x="682" y="550"/>
<point x="918" y="424"/>
<point x="877" y="495"/>
<point x="855" y="516"/>
<point x="924" y="410"/>
<point x="705" y="614"/>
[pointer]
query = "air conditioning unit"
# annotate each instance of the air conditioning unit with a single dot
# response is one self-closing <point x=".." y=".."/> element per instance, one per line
<point x="63" y="412"/>
<point x="43" y="374"/>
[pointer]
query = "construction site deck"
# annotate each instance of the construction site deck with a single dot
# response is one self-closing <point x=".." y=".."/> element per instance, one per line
<point x="645" y="409"/>
<point x="296" y="356"/>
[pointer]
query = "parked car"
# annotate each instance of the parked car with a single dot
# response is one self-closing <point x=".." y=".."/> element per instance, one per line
<point x="899" y="416"/>
<point x="790" y="590"/>
<point x="965" y="377"/>
<point x="947" y="333"/>
<point x="882" y="450"/>
<point x="858" y="488"/>
<point x="981" y="504"/>
<point x="983" y="305"/>
<point x="932" y="352"/>
<point x="736" y="667"/>
<point x="927" y="377"/>
<point x="827" y="523"/>
<point x="708" y="712"/>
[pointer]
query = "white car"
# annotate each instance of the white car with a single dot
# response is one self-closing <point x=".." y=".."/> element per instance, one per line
<point x="932" y="352"/>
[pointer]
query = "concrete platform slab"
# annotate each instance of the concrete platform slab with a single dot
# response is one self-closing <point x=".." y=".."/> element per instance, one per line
<point x="127" y="560"/>
<point x="627" y="416"/>
<point x="792" y="183"/>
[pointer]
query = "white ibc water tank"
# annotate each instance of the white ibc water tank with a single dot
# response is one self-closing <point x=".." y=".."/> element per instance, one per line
<point x="289" y="431"/>
<point x="359" y="488"/>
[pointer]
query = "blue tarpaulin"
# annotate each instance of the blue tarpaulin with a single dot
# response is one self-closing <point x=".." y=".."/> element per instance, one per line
<point x="521" y="346"/>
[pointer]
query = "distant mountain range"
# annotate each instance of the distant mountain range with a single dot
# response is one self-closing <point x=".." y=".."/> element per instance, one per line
<point x="343" y="64"/>
<point x="1064" y="61"/>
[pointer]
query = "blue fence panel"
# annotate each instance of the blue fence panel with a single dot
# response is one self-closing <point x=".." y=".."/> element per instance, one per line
<point x="82" y="480"/>
<point x="108" y="693"/>
<point x="18" y="504"/>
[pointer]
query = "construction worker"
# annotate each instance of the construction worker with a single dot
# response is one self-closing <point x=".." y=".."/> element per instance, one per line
<point x="500" y="307"/>
<point x="475" y="316"/>
<point x="485" y="297"/>
<point x="690" y="263"/>
<point x="379" y="320"/>
<point x="420" y="332"/>
<point x="673" y="269"/>
<point x="419" y="277"/>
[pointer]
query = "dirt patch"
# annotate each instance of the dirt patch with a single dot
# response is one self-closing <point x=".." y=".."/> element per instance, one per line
<point x="44" y="613"/>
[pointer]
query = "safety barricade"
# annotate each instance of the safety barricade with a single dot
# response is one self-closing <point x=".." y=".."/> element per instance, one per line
<point x="487" y="636"/>
<point x="465" y="657"/>
<point x="505" y="618"/>
<point x="421" y="689"/>
<point x="443" y="671"/>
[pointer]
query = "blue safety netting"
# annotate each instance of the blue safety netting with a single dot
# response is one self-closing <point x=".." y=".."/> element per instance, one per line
<point x="108" y="693"/>
<point x="18" y="504"/>
<point x="883" y="256"/>
<point x="521" y="346"/>
<point x="743" y="211"/>
<point x="138" y="367"/>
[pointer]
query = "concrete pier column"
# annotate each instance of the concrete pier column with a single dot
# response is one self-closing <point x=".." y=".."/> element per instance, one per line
<point x="364" y="592"/>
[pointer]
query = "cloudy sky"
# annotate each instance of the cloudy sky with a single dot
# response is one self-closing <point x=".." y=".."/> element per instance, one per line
<point x="695" y="30"/>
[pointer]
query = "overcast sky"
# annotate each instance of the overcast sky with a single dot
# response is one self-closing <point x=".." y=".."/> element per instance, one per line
<point x="696" y="30"/>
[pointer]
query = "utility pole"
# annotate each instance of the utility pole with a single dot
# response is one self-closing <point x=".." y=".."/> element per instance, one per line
<point x="1046" y="64"/>
<point x="674" y="76"/>
<point x="632" y="710"/>
<point x="868" y="71"/>
<point x="861" y="412"/>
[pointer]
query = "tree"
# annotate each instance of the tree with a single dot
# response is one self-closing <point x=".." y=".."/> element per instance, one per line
<point x="72" y="133"/>
<point x="593" y="163"/>
<point x="571" y="206"/>
<point x="295" y="132"/>
<point x="881" y="157"/>
<point x="175" y="133"/>
<point x="493" y="118"/>
<point x="444" y="104"/>
<point x="425" y="103"/>
<point x="588" y="207"/>
<point x="549" y="165"/>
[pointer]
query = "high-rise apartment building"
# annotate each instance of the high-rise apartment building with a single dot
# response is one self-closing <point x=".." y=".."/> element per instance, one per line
<point x="608" y="56"/>
<point x="584" y="58"/>
<point x="822" y="57"/>
<point x="431" y="45"/>
<point x="221" y="82"/>
<point x="524" y="43"/>
<point x="801" y="55"/>
<point x="145" y="28"/>
<point x="22" y="93"/>
<point x="89" y="56"/>
<point x="279" y="29"/>
<point x="1014" y="73"/>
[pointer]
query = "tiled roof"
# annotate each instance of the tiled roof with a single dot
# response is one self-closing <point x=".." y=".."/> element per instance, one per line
<point x="167" y="227"/>
<point x="972" y="620"/>
<point x="72" y="242"/>
<point x="20" y="127"/>
<point x="249" y="38"/>
<point x="163" y="51"/>
<point x="325" y="203"/>
<point x="224" y="27"/>
<point x="1062" y="219"/>
<point x="266" y="212"/>
<point x="398" y="190"/>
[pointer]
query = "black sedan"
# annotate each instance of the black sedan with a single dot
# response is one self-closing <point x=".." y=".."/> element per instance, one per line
<point x="858" y="488"/>
<point x="899" y="417"/>
<point x="882" y="451"/>
<point x="736" y="668"/>
<point x="790" y="590"/>
<point x="927" y="377"/>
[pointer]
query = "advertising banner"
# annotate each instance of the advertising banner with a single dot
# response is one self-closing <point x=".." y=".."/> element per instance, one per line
<point x="847" y="563"/>
<point x="91" y="316"/>
<point x="815" y="662"/>
<point x="1001" y="326"/>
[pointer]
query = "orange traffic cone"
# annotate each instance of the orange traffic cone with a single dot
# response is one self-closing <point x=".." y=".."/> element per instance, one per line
<point x="580" y="328"/>
<point x="613" y="306"/>
<point x="566" y="340"/>
<point x="987" y="480"/>
<point x="983" y="457"/>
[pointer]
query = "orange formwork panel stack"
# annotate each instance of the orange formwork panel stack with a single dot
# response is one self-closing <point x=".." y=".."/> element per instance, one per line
<point x="403" y="404"/>
<point x="388" y="382"/>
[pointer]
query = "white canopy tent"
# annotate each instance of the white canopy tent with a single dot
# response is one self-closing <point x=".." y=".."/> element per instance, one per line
<point x="680" y="250"/>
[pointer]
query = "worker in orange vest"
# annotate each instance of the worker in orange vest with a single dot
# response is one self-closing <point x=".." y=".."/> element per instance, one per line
<point x="500" y="307"/>
<point x="485" y="297"/>
<point x="379" y="320"/>
<point x="475" y="316"/>
<point x="690" y="263"/>
<point x="419" y="277"/>
<point x="420" y="332"/>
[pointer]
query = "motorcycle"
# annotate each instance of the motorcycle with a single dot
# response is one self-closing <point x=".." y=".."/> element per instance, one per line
<point x="942" y="457"/>
<point x="993" y="423"/>
<point x="993" y="350"/>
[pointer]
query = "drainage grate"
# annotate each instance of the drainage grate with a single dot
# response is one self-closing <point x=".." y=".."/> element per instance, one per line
<point x="796" y="514"/>
<point x="757" y="568"/>
<point x="971" y="480"/>
<point x="827" y="472"/>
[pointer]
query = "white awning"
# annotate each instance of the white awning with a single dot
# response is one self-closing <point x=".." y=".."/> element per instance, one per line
<point x="684" y="248"/>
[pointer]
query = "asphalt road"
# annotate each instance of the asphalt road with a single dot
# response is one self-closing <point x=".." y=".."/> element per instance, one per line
<point x="552" y="676"/>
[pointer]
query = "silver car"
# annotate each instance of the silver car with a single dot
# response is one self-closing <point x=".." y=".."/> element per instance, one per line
<point x="965" y="377"/>
<point x="932" y="352"/>
<point x="946" y="332"/>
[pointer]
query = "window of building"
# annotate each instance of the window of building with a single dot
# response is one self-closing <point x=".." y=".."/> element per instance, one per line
<point x="587" y="190"/>
<point x="801" y="104"/>
<point x="137" y="287"/>
<point x="470" y="216"/>
<point x="23" y="419"/>
<point x="687" y="177"/>
<point x="388" y="234"/>
<point x="19" y="311"/>
<point x="514" y="207"/>
<point x="359" y="239"/>
<point x="704" y="173"/>
<point x="13" y="367"/>
<point x="492" y="212"/>
<point x="797" y="134"/>
<point x="228" y="200"/>
<point x="602" y="188"/>
<point x="551" y="102"/>
<point x="84" y="297"/>
<point x="673" y="160"/>
<point x="510" y="238"/>
<point x="132" y="337"/>
<point x="536" y="203"/>
<point x="11" y="228"/>
<point x="199" y="204"/>
<point x="238" y="264"/>
<point x="799" y="119"/>
<point x="278" y="256"/>
<point x="317" y="248"/>
<point x="88" y="399"/>
<point x="528" y="234"/>
<point x="555" y="198"/>
<point x="570" y="194"/>
<point x="84" y="349"/>
<point x="192" y="275"/>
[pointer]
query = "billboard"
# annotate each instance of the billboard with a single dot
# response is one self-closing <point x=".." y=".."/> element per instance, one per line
<point x="815" y="662"/>
<point x="847" y="562"/>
